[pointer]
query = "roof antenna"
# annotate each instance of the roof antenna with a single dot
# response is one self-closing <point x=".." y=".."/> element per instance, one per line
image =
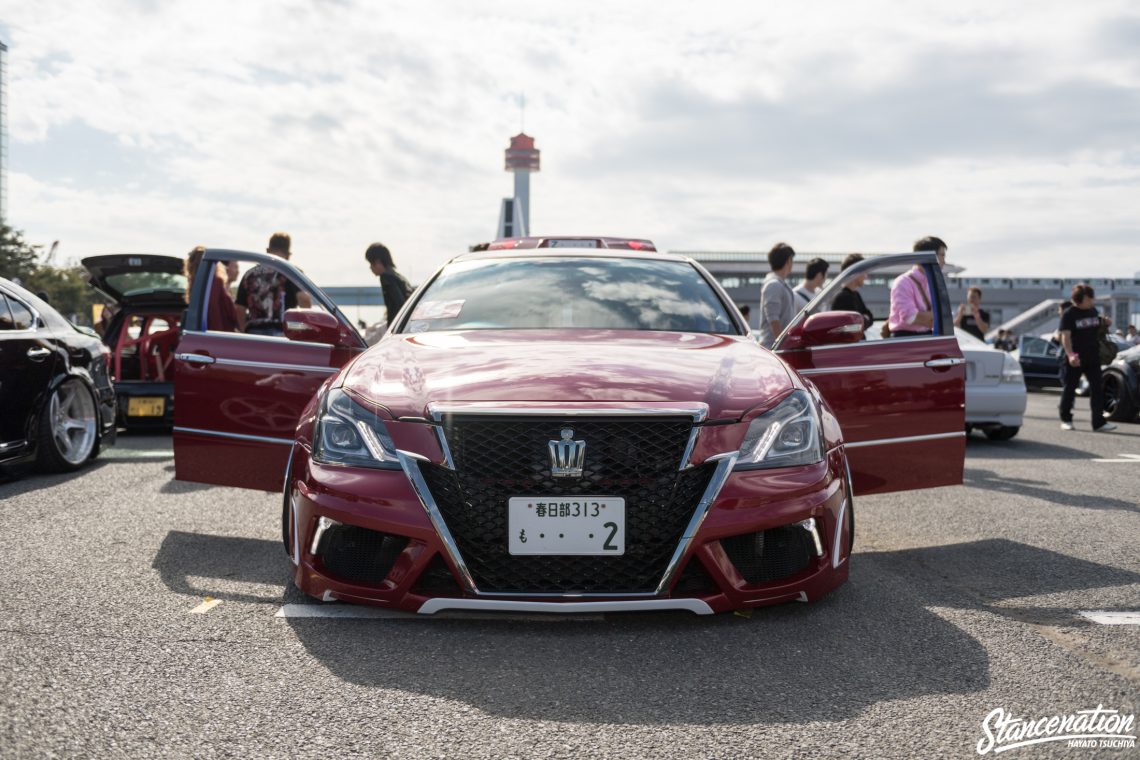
<point x="522" y="112"/>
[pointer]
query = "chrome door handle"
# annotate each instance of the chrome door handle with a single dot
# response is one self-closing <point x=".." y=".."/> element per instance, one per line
<point x="947" y="362"/>
<point x="38" y="353"/>
<point x="195" y="358"/>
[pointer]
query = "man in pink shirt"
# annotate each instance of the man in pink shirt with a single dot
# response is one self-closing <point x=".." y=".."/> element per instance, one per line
<point x="911" y="310"/>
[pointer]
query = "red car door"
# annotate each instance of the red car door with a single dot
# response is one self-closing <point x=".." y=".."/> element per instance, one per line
<point x="899" y="401"/>
<point x="238" y="396"/>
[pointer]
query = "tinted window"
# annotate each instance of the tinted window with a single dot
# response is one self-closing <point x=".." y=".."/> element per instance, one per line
<point x="574" y="293"/>
<point x="135" y="283"/>
<point x="5" y="315"/>
<point x="21" y="316"/>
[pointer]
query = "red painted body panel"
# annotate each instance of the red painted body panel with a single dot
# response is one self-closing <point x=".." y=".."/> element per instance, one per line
<point x="406" y="372"/>
<point x="255" y="387"/>
<point x="881" y="390"/>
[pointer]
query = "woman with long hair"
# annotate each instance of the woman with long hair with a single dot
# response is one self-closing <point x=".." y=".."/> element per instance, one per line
<point x="221" y="315"/>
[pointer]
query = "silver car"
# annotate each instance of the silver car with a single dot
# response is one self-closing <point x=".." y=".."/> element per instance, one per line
<point x="995" y="389"/>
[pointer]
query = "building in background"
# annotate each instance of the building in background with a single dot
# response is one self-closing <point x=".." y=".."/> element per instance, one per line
<point x="1026" y="305"/>
<point x="3" y="132"/>
<point x="522" y="158"/>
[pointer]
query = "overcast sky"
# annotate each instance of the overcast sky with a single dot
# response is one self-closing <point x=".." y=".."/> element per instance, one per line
<point x="156" y="126"/>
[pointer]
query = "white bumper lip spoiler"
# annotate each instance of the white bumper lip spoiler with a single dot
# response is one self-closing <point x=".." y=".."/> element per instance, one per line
<point x="696" y="606"/>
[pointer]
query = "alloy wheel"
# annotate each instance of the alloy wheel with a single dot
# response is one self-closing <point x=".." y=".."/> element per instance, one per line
<point x="72" y="418"/>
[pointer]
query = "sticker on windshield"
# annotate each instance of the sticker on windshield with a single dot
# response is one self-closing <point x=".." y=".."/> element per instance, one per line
<point x="438" y="309"/>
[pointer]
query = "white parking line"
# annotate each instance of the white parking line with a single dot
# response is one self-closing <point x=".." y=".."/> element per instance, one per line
<point x="1124" y="459"/>
<point x="344" y="611"/>
<point x="1112" y="617"/>
<point x="209" y="604"/>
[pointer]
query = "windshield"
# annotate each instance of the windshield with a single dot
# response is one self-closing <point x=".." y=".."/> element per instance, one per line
<point x="570" y="293"/>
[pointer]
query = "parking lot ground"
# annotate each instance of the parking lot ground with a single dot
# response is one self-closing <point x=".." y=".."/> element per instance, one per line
<point x="142" y="616"/>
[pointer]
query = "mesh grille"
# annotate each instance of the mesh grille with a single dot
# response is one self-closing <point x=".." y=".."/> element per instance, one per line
<point x="770" y="555"/>
<point x="359" y="555"/>
<point x="497" y="458"/>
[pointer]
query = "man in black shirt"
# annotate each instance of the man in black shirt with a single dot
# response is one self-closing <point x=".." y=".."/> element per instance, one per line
<point x="1080" y="334"/>
<point x="393" y="286"/>
<point x="849" y="298"/>
<point x="971" y="317"/>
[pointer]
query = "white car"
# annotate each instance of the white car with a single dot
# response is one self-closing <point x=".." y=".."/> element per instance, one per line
<point x="995" y="389"/>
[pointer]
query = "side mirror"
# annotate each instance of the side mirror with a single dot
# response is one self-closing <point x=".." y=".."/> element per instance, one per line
<point x="826" y="329"/>
<point x="312" y="326"/>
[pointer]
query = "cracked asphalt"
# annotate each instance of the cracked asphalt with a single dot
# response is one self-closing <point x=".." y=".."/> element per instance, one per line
<point x="961" y="600"/>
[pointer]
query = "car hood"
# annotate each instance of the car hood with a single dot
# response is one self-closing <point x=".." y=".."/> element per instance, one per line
<point x="138" y="278"/>
<point x="406" y="373"/>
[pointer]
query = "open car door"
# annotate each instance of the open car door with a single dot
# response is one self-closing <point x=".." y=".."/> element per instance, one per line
<point x="238" y="396"/>
<point x="900" y="401"/>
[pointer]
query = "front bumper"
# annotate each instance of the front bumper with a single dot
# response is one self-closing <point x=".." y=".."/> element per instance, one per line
<point x="714" y="573"/>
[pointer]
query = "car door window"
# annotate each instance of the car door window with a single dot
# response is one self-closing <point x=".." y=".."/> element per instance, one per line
<point x="6" y="321"/>
<point x="22" y="317"/>
<point x="262" y="294"/>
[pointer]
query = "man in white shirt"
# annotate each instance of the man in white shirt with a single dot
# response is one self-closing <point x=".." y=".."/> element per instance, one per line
<point x="777" y="301"/>
<point x="813" y="281"/>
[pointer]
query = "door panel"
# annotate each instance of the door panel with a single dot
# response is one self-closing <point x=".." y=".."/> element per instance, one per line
<point x="238" y="397"/>
<point x="28" y="362"/>
<point x="899" y="401"/>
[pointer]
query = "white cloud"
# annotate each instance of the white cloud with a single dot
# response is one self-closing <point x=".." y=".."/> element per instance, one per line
<point x="346" y="123"/>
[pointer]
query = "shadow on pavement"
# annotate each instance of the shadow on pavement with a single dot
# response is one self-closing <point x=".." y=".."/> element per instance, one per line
<point x="1020" y="448"/>
<point x="1039" y="489"/>
<point x="227" y="559"/>
<point x="873" y="640"/>
<point x="23" y="480"/>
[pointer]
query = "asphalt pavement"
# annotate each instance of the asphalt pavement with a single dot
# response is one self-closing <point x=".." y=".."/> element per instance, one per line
<point x="146" y="617"/>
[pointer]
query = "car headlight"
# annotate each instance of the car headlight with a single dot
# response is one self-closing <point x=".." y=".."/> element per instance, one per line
<point x="349" y="433"/>
<point x="1011" y="370"/>
<point x="786" y="436"/>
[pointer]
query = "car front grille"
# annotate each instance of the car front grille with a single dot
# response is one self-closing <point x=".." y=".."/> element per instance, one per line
<point x="497" y="457"/>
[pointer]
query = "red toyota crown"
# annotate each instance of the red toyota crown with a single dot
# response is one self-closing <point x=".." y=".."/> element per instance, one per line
<point x="568" y="425"/>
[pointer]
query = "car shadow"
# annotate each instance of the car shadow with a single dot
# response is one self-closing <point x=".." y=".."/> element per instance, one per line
<point x="884" y="636"/>
<point x="227" y="560"/>
<point x="25" y="479"/>
<point x="991" y="482"/>
<point x="979" y="447"/>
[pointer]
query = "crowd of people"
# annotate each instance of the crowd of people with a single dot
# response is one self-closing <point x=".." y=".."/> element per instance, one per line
<point x="1082" y="334"/>
<point x="256" y="304"/>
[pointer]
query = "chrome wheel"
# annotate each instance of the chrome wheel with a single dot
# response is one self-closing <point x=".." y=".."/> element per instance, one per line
<point x="72" y="417"/>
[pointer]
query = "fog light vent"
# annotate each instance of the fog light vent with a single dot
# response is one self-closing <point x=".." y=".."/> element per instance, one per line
<point x="770" y="555"/>
<point x="359" y="555"/>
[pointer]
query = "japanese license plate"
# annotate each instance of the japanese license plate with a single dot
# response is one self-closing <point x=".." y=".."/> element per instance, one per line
<point x="566" y="525"/>
<point x="146" y="406"/>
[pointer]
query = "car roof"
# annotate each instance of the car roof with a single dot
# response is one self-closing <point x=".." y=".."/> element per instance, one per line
<point x="598" y="246"/>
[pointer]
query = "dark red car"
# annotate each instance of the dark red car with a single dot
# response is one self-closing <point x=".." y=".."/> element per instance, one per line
<point x="569" y="424"/>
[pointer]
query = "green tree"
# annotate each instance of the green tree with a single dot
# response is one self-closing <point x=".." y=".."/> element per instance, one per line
<point x="66" y="287"/>
<point x="18" y="258"/>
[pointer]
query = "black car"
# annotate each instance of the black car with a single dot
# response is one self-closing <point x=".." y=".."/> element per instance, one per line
<point x="1122" y="386"/>
<point x="1040" y="361"/>
<point x="148" y="295"/>
<point x="57" y="403"/>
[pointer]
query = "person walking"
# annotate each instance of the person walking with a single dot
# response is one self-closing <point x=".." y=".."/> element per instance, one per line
<point x="911" y="311"/>
<point x="394" y="287"/>
<point x="971" y="317"/>
<point x="848" y="298"/>
<point x="813" y="281"/>
<point x="1080" y="334"/>
<point x="777" y="301"/>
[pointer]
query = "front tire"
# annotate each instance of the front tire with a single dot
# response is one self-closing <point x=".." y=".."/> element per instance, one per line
<point x="68" y="434"/>
<point x="1003" y="433"/>
<point x="1118" y="404"/>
